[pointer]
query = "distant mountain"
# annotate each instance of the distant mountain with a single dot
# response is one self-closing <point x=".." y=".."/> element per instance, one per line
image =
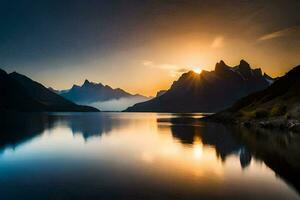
<point x="57" y="91"/>
<point x="20" y="93"/>
<point x="278" y="104"/>
<point x="101" y="96"/>
<point x="208" y="91"/>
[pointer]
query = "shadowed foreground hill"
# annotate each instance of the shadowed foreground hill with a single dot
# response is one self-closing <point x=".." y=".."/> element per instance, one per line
<point x="279" y="103"/>
<point x="208" y="91"/>
<point x="20" y="93"/>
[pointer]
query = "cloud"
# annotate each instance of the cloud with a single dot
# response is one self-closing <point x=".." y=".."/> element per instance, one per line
<point x="182" y="70"/>
<point x="118" y="104"/>
<point x="174" y="70"/>
<point x="280" y="33"/>
<point x="218" y="42"/>
<point x="147" y="63"/>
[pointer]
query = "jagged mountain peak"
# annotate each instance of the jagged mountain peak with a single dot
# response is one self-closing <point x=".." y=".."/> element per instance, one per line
<point x="91" y="93"/>
<point x="75" y="87"/>
<point x="222" y="63"/>
<point x="257" y="72"/>
<point x="221" y="66"/>
<point x="88" y="83"/>
<point x="222" y="70"/>
<point x="279" y="100"/>
<point x="244" y="63"/>
<point x="202" y="92"/>
<point x="244" y="69"/>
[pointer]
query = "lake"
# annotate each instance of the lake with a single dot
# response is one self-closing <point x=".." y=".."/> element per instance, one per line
<point x="142" y="156"/>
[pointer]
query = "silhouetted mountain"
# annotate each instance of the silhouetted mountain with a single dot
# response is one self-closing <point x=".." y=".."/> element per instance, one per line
<point x="161" y="92"/>
<point x="280" y="100"/>
<point x="91" y="92"/>
<point x="208" y="91"/>
<point x="96" y="94"/>
<point x="20" y="93"/>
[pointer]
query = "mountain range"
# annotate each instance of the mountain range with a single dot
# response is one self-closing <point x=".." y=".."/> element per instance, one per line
<point x="101" y="96"/>
<point x="209" y="91"/>
<point x="278" y="105"/>
<point x="20" y="93"/>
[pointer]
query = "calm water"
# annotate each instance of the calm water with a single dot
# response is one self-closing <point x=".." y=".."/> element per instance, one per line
<point x="136" y="156"/>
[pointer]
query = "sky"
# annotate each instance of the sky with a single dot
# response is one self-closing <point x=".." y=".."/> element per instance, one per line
<point x="142" y="46"/>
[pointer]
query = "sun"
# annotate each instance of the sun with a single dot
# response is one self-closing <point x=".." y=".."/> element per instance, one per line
<point x="197" y="70"/>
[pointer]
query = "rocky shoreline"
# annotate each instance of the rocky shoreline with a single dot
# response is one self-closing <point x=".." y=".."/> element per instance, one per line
<point x="290" y="125"/>
<point x="278" y="123"/>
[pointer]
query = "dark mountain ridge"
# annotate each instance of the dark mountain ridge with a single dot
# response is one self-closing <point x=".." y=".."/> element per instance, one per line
<point x="208" y="91"/>
<point x="20" y="93"/>
<point x="279" y="103"/>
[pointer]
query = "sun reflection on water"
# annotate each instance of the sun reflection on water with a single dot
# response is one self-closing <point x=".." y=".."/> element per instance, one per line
<point x="198" y="147"/>
<point x="176" y="155"/>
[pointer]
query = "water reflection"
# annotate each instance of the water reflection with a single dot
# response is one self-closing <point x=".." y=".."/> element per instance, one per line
<point x="134" y="156"/>
<point x="245" y="157"/>
<point x="18" y="128"/>
<point x="189" y="130"/>
<point x="279" y="151"/>
<point x="89" y="125"/>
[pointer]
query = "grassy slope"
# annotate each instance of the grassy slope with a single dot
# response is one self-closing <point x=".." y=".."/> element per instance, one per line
<point x="280" y="100"/>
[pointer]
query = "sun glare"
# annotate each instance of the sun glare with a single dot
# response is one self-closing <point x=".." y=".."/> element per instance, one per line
<point x="198" y="147"/>
<point x="197" y="70"/>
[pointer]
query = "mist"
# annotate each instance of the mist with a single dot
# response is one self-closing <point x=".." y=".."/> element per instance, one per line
<point x="117" y="104"/>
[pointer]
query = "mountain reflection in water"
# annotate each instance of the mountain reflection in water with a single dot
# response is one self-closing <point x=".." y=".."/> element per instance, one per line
<point x="138" y="156"/>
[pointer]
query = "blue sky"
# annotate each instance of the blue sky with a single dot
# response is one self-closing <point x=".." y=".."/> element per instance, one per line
<point x="142" y="46"/>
